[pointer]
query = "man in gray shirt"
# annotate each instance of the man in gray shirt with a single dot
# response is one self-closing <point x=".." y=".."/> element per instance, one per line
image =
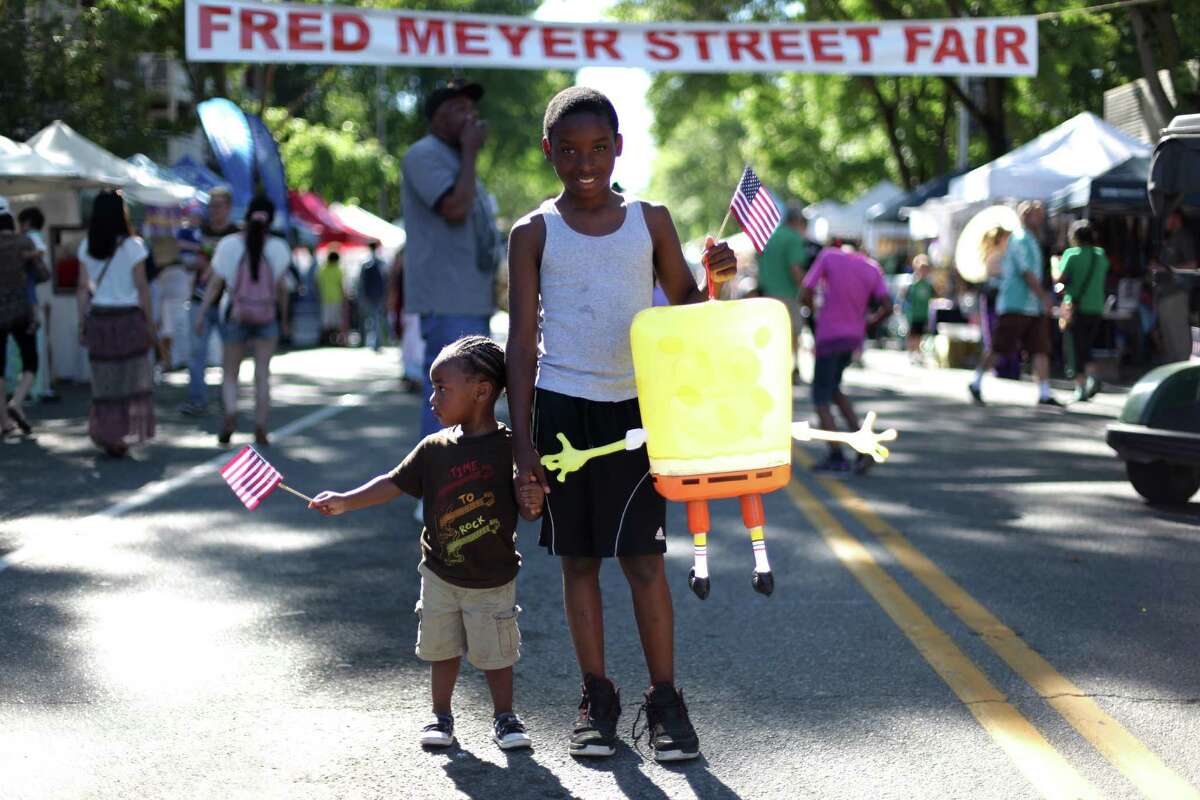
<point x="451" y="253"/>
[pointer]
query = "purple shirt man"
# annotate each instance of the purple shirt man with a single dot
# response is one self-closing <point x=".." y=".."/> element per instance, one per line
<point x="847" y="281"/>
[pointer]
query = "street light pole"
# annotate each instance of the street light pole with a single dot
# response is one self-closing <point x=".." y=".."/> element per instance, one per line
<point x="964" y="124"/>
<point x="381" y="129"/>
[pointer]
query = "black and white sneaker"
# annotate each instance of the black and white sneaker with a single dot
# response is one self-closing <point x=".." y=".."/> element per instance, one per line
<point x="509" y="732"/>
<point x="595" y="733"/>
<point x="440" y="732"/>
<point x="672" y="737"/>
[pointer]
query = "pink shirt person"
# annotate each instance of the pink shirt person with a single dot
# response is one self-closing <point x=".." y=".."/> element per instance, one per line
<point x="847" y="282"/>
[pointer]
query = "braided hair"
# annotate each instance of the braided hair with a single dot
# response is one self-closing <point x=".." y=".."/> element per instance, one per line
<point x="478" y="357"/>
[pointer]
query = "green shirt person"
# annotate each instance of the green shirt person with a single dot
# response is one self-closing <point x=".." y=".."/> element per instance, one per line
<point x="783" y="261"/>
<point x="1083" y="272"/>
<point x="916" y="306"/>
<point x="1084" y="268"/>
<point x="781" y="268"/>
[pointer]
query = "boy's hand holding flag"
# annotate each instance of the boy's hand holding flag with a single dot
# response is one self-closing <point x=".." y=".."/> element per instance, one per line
<point x="252" y="478"/>
<point x="756" y="212"/>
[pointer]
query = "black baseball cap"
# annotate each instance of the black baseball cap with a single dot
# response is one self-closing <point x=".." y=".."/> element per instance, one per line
<point x="451" y="88"/>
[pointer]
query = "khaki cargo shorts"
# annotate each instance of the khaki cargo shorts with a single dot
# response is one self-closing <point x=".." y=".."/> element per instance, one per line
<point x="478" y="623"/>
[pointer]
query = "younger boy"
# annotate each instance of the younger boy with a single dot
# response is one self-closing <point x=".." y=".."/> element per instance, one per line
<point x="580" y="267"/>
<point x="469" y="558"/>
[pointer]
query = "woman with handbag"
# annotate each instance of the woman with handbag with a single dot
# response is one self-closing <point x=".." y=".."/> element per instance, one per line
<point x="116" y="327"/>
<point x="1084" y="267"/>
<point x="18" y="255"/>
<point x="253" y="265"/>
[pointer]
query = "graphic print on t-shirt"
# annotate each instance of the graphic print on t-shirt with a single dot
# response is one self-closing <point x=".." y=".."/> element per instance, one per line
<point x="465" y="517"/>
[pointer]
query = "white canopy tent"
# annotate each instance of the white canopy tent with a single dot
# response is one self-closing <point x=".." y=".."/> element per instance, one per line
<point x="828" y="220"/>
<point x="390" y="237"/>
<point x="64" y="147"/>
<point x="24" y="171"/>
<point x="1082" y="147"/>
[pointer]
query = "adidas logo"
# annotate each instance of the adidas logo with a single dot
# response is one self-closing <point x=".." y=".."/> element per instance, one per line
<point x="660" y="536"/>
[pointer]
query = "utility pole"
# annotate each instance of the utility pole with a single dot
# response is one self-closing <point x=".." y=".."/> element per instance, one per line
<point x="964" y="125"/>
<point x="381" y="98"/>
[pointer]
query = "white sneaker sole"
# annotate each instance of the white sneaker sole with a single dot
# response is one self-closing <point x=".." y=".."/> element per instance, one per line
<point x="675" y="755"/>
<point x="592" y="751"/>
<point x="437" y="743"/>
<point x="513" y="744"/>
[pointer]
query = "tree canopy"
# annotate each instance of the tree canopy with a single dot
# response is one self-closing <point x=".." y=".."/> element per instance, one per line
<point x="809" y="136"/>
<point x="832" y="136"/>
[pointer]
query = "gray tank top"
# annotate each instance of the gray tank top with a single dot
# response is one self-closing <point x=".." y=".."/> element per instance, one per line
<point x="591" y="287"/>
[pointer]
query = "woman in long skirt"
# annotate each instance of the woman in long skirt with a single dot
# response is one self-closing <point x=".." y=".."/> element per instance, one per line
<point x="116" y="328"/>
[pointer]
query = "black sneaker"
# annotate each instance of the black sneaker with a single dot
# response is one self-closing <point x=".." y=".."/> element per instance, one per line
<point x="595" y="732"/>
<point x="509" y="732"/>
<point x="1050" y="402"/>
<point x="976" y="394"/>
<point x="672" y="737"/>
<point x="440" y="732"/>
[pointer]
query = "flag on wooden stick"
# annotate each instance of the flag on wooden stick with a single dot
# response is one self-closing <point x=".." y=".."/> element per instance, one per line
<point x="251" y="477"/>
<point x="755" y="209"/>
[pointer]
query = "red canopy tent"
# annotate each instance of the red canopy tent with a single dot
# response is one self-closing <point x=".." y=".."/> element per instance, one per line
<point x="313" y="212"/>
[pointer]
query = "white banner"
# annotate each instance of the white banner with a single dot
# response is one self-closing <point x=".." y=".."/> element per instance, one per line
<point x="257" y="32"/>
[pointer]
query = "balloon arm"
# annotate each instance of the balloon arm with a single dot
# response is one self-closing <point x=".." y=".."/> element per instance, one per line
<point x="569" y="459"/>
<point x="864" y="440"/>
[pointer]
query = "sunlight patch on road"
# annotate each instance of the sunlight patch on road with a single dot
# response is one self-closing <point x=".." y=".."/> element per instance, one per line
<point x="157" y="644"/>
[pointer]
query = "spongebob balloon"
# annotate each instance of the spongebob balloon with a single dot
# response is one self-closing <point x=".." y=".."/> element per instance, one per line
<point x="715" y="393"/>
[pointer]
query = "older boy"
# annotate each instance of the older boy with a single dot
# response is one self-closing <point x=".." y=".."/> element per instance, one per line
<point x="581" y="266"/>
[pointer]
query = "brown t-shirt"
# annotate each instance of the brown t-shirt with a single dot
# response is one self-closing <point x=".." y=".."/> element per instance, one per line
<point x="466" y="482"/>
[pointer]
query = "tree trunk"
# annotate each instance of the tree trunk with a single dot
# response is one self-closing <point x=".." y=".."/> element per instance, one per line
<point x="888" y="112"/>
<point x="1145" y="49"/>
<point x="993" y="121"/>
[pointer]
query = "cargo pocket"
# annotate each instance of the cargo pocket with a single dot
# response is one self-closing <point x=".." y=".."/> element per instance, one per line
<point x="508" y="632"/>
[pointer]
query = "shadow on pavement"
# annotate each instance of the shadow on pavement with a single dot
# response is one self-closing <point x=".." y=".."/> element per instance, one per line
<point x="522" y="776"/>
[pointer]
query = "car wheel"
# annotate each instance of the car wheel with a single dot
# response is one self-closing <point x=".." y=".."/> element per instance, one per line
<point x="1160" y="482"/>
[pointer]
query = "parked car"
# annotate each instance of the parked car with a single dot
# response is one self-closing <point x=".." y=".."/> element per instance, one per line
<point x="1158" y="434"/>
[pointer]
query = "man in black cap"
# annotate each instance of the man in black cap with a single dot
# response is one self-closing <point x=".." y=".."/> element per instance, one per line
<point x="452" y="247"/>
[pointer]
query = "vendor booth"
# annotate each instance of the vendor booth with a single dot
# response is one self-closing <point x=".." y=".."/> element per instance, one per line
<point x="829" y="221"/>
<point x="1083" y="146"/>
<point x="887" y="232"/>
<point x="143" y="184"/>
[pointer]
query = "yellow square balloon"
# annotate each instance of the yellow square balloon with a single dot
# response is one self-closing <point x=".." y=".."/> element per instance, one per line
<point x="714" y="385"/>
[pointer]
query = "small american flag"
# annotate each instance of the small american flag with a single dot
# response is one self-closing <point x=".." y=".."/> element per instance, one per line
<point x="251" y="477"/>
<point x="755" y="209"/>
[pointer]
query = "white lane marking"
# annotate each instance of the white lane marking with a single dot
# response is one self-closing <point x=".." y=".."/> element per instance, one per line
<point x="153" y="491"/>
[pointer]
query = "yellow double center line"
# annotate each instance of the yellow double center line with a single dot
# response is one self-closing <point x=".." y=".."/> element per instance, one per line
<point x="1045" y="768"/>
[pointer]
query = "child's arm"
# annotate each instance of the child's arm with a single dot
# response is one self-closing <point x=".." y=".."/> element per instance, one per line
<point x="376" y="491"/>
<point x="525" y="245"/>
<point x="530" y="498"/>
<point x="672" y="270"/>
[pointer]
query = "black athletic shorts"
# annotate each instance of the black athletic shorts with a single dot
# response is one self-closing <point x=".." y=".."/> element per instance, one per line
<point x="609" y="507"/>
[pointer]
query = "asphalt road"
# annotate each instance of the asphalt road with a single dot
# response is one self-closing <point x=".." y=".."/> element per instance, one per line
<point x="991" y="614"/>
